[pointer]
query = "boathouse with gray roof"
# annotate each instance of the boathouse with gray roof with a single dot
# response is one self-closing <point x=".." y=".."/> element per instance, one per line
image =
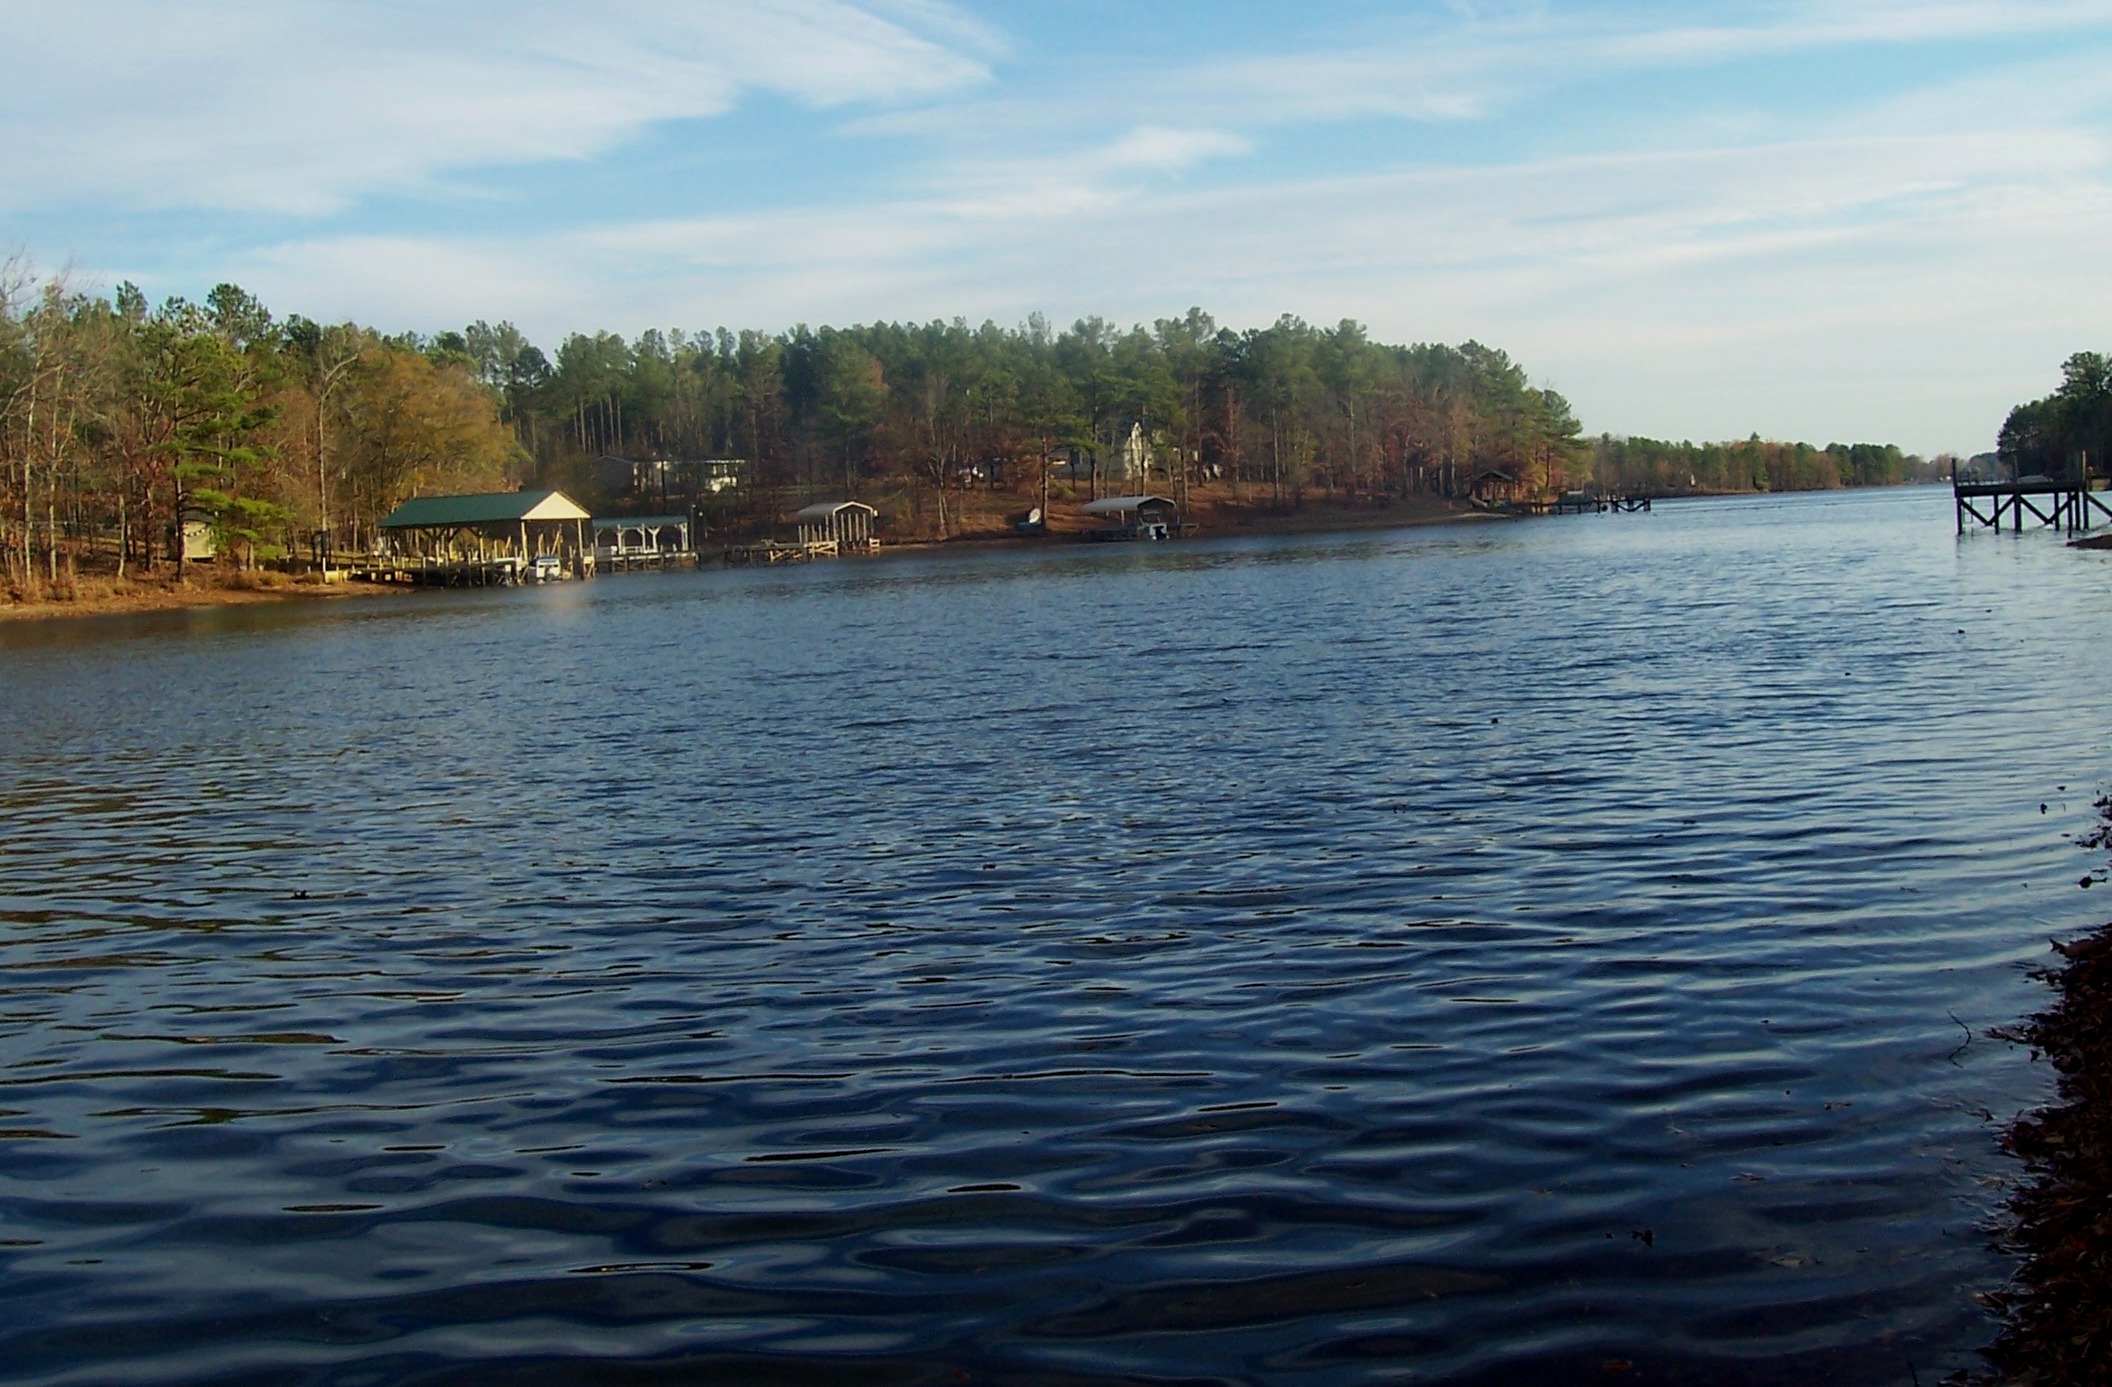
<point x="1135" y="517"/>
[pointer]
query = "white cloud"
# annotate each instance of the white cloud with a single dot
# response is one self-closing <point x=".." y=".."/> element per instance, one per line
<point x="1159" y="148"/>
<point x="303" y="106"/>
<point x="1087" y="181"/>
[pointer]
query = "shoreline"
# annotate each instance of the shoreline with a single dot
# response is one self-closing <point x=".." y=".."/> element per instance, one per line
<point x="143" y="596"/>
<point x="2057" y="1314"/>
<point x="1229" y="522"/>
<point x="139" y="598"/>
<point x="1218" y="517"/>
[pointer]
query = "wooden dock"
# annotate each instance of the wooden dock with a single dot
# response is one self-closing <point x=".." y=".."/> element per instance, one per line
<point x="427" y="572"/>
<point x="2069" y="504"/>
<point x="774" y="551"/>
<point x="1595" y="503"/>
<point x="644" y="562"/>
<point x="1575" y="503"/>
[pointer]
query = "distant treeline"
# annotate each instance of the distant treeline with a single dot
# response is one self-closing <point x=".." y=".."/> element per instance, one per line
<point x="2057" y="434"/>
<point x="117" y="418"/>
<point x="1282" y="409"/>
<point x="1660" y="468"/>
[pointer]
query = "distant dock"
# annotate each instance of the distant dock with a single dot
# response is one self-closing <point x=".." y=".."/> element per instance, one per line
<point x="1569" y="503"/>
<point x="1597" y="503"/>
<point x="774" y="551"/>
<point x="432" y="571"/>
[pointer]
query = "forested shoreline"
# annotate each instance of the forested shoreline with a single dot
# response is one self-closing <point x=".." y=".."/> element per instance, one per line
<point x="117" y="417"/>
<point x="1659" y="468"/>
<point x="2070" y="427"/>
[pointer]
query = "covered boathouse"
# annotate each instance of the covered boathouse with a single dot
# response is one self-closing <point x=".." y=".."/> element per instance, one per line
<point x="1135" y="517"/>
<point x="827" y="530"/>
<point x="483" y="539"/>
<point x="643" y="541"/>
<point x="845" y="525"/>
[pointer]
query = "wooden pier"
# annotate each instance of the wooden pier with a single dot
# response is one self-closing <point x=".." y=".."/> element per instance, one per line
<point x="773" y="551"/>
<point x="1595" y="503"/>
<point x="638" y="563"/>
<point x="2069" y="504"/>
<point x="1575" y="503"/>
<point x="826" y="530"/>
<point x="434" y="572"/>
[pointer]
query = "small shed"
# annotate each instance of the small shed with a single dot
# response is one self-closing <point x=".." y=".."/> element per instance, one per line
<point x="631" y="537"/>
<point x="1135" y="517"/>
<point x="194" y="539"/>
<point x="500" y="525"/>
<point x="846" y="524"/>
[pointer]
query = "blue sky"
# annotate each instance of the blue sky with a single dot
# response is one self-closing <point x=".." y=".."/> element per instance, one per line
<point x="1860" y="219"/>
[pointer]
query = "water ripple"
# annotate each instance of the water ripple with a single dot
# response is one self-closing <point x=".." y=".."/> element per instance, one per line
<point x="1484" y="953"/>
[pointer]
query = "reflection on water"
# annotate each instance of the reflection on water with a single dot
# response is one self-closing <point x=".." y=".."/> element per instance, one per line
<point x="1501" y="953"/>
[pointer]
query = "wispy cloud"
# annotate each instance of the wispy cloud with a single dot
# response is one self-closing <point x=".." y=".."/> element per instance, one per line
<point x="302" y="106"/>
<point x="1467" y="65"/>
<point x="1691" y="291"/>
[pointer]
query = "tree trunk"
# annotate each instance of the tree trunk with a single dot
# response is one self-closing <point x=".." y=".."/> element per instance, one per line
<point x="51" y="504"/>
<point x="29" y="509"/>
<point x="322" y="480"/>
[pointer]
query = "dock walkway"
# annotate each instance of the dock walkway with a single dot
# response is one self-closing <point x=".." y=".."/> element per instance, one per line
<point x="2070" y="504"/>
<point x="1572" y="503"/>
<point x="430" y="572"/>
<point x="772" y="551"/>
<point x="505" y="571"/>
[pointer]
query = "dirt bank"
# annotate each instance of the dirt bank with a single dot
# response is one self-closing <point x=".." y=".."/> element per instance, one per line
<point x="162" y="593"/>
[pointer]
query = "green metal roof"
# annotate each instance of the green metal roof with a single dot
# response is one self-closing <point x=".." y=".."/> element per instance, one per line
<point x="485" y="508"/>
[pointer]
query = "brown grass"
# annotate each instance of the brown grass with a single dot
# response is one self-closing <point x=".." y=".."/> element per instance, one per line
<point x="203" y="586"/>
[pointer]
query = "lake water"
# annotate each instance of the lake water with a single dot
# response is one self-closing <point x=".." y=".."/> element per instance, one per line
<point x="1487" y="953"/>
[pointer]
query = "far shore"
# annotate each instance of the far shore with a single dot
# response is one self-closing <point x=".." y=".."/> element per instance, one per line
<point x="208" y="586"/>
